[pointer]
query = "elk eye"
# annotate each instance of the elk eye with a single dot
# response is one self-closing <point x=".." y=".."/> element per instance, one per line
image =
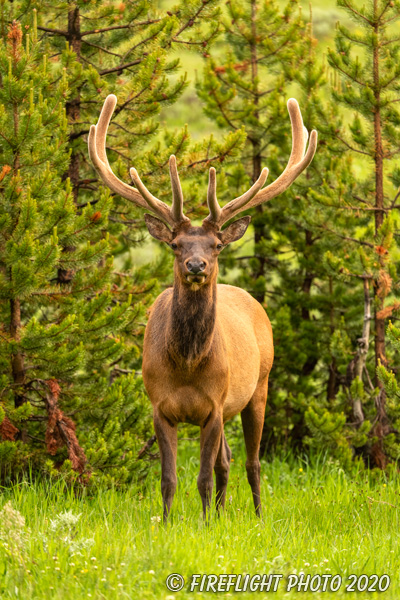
<point x="220" y="246"/>
<point x="174" y="246"/>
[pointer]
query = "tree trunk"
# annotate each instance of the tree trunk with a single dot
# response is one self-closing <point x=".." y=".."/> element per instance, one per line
<point x="73" y="105"/>
<point x="73" y="108"/>
<point x="382" y="426"/>
<point x="362" y="351"/>
<point x="333" y="382"/>
<point x="380" y="354"/>
<point x="17" y="361"/>
<point x="256" y="148"/>
<point x="311" y="361"/>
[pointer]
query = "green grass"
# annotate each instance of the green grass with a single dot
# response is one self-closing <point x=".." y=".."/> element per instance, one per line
<point x="317" y="519"/>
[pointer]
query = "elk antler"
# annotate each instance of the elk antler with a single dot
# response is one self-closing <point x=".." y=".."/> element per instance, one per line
<point x="173" y="215"/>
<point x="298" y="161"/>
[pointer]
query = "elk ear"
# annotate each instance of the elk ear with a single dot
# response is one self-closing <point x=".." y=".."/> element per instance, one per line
<point x="158" y="229"/>
<point x="235" y="230"/>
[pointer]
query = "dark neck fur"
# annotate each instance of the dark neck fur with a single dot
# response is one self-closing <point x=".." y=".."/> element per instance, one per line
<point x="192" y="323"/>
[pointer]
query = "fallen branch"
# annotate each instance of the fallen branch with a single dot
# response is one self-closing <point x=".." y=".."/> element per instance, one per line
<point x="7" y="430"/>
<point x="61" y="429"/>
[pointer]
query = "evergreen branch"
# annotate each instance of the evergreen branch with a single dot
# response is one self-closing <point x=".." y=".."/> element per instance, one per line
<point x="355" y="40"/>
<point x="356" y="12"/>
<point x="177" y="150"/>
<point x="276" y="51"/>
<point x="44" y="259"/>
<point x="387" y="83"/>
<point x="395" y="199"/>
<point x="348" y="75"/>
<point x="101" y="48"/>
<point x="387" y="5"/>
<point x="391" y="41"/>
<point x="201" y="161"/>
<point x="118" y="27"/>
<point x="261" y="94"/>
<point x="242" y="87"/>
<point x="126" y="221"/>
<point x="76" y="134"/>
<point x="351" y="147"/>
<point x="86" y="60"/>
<point x="6" y="139"/>
<point x="131" y="98"/>
<point x="362" y="208"/>
<point x="192" y="19"/>
<point x="371" y="386"/>
<point x="131" y="133"/>
<point x="79" y="260"/>
<point x="346" y="238"/>
<point x="394" y="18"/>
<point x="391" y="154"/>
<point x="151" y="37"/>
<point x="81" y="182"/>
<point x="358" y="198"/>
<point x="53" y="31"/>
<point x="60" y="293"/>
<point x="121" y="154"/>
<point x="218" y="157"/>
<point x="122" y="67"/>
<point x="201" y="43"/>
<point x="221" y="108"/>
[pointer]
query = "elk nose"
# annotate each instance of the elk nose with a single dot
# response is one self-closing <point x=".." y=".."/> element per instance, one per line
<point x="195" y="266"/>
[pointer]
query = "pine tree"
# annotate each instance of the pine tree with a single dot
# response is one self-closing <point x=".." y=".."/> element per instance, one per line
<point x="305" y="301"/>
<point x="317" y="307"/>
<point x="369" y="83"/>
<point x="57" y="342"/>
<point x="108" y="400"/>
<point x="388" y="377"/>
<point x="129" y="48"/>
<point x="250" y="87"/>
<point x="247" y="87"/>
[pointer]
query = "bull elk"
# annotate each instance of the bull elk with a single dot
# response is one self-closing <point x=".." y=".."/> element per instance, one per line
<point x="208" y="348"/>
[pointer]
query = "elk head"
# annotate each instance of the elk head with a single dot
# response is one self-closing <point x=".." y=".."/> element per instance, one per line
<point x="197" y="248"/>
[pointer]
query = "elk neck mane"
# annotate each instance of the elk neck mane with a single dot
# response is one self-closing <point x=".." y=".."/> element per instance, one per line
<point x="192" y="323"/>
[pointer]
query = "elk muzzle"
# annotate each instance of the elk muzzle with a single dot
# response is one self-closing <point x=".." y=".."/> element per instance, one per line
<point x="196" y="270"/>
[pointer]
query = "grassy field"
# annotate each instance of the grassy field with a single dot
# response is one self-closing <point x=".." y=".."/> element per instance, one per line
<point x="110" y="544"/>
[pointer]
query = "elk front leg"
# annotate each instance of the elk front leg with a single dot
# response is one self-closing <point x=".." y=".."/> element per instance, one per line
<point x="221" y="468"/>
<point x="210" y="439"/>
<point x="252" y="423"/>
<point x="167" y="437"/>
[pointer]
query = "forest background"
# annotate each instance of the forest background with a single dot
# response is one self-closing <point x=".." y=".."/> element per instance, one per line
<point x="209" y="82"/>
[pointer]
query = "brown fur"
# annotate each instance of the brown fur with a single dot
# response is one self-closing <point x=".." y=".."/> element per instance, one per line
<point x="208" y="349"/>
<point x="207" y="355"/>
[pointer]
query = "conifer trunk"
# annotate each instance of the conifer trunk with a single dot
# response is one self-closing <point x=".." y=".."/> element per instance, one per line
<point x="73" y="109"/>
<point x="362" y="352"/>
<point x="311" y="361"/>
<point x="256" y="145"/>
<point x="17" y="361"/>
<point x="73" y="105"/>
<point x="380" y="354"/>
<point x="381" y="428"/>
<point x="333" y="384"/>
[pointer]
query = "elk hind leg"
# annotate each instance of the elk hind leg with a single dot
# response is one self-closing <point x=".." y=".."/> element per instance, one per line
<point x="221" y="468"/>
<point x="252" y="423"/>
<point x="167" y="437"/>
